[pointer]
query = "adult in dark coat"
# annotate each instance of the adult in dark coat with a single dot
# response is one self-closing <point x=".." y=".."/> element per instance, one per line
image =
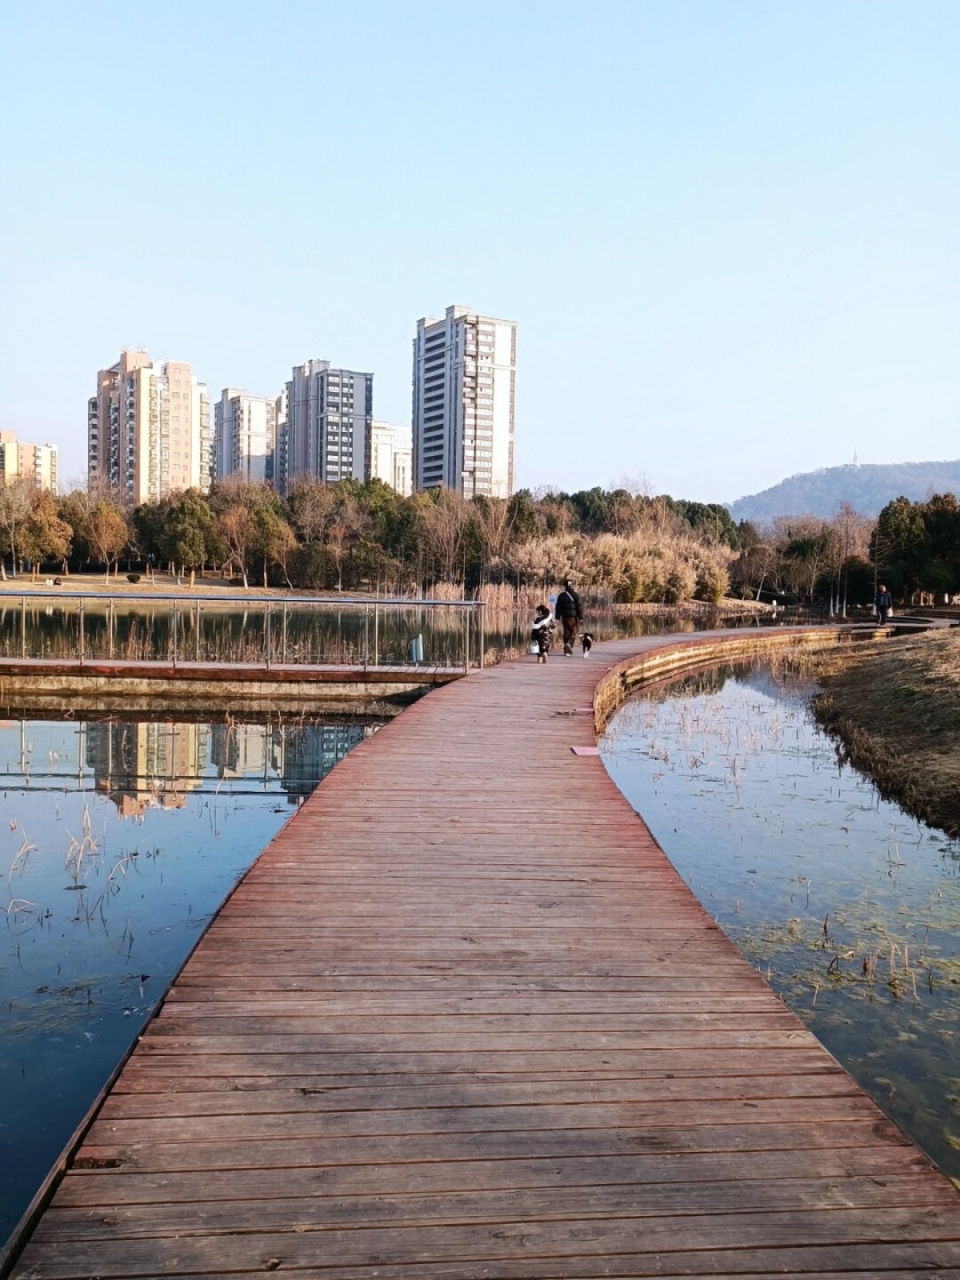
<point x="569" y="611"/>
<point x="883" y="603"/>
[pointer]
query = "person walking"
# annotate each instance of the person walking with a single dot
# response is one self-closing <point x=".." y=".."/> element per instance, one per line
<point x="541" y="632"/>
<point x="883" y="603"/>
<point x="569" y="611"/>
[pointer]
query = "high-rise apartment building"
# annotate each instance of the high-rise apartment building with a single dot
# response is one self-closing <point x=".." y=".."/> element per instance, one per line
<point x="280" y="443"/>
<point x="464" y="376"/>
<point x="148" y="429"/>
<point x="245" y="435"/>
<point x="37" y="463"/>
<point x="390" y="456"/>
<point x="328" y="415"/>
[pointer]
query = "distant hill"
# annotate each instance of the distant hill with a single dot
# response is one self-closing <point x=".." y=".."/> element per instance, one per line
<point x="867" y="488"/>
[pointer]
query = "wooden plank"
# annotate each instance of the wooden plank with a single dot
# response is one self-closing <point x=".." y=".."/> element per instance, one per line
<point x="504" y="1144"/>
<point x="542" y="1204"/>
<point x="461" y="1020"/>
<point x="832" y="1168"/>
<point x="632" y="1118"/>
<point x="693" y="1241"/>
<point x="431" y="1092"/>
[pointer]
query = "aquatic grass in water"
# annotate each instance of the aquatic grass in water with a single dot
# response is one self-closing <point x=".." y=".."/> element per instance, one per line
<point x="847" y="905"/>
<point x="119" y="840"/>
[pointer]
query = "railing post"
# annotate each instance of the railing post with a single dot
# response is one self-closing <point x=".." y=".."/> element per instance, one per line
<point x="267" y="636"/>
<point x="175" y="620"/>
<point x="81" y="632"/>
<point x="482" y="635"/>
<point x="466" y="641"/>
<point x="23" y="626"/>
<point x="196" y="646"/>
<point x="110" y="629"/>
<point x="283" y="642"/>
<point x="366" y="635"/>
<point x="376" y="633"/>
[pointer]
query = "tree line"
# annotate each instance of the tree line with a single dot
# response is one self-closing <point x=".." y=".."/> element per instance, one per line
<point x="352" y="536"/>
<point x="630" y="546"/>
<point x="918" y="546"/>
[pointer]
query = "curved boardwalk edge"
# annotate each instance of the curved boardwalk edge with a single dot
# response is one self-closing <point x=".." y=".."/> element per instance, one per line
<point x="462" y="1019"/>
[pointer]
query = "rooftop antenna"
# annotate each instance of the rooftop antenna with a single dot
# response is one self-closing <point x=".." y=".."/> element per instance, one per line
<point x="855" y="458"/>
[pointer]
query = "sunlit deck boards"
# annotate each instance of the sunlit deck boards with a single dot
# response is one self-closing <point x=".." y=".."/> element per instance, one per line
<point x="463" y="1020"/>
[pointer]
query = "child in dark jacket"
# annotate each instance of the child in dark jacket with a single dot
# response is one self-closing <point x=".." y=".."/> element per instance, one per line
<point x="541" y="633"/>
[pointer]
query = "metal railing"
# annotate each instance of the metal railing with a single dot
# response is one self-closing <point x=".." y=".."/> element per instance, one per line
<point x="360" y="632"/>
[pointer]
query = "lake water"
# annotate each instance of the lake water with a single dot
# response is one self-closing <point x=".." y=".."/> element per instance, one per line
<point x="186" y="629"/>
<point x="118" y="841"/>
<point x="850" y="907"/>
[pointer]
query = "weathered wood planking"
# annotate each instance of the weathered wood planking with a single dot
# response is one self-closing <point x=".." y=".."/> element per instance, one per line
<point x="462" y="1019"/>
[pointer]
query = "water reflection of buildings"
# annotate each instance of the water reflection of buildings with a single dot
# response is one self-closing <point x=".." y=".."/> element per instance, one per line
<point x="298" y="754"/>
<point x="146" y="765"/>
<point x="310" y="752"/>
<point x="140" y="766"/>
<point x="244" y="750"/>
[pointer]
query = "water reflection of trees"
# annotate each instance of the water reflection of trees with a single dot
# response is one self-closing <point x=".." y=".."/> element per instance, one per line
<point x="201" y="632"/>
<point x="192" y="632"/>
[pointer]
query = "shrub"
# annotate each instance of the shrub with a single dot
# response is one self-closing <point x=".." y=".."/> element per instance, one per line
<point x="680" y="583"/>
<point x="712" y="580"/>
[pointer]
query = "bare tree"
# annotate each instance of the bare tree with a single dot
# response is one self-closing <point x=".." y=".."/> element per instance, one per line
<point x="496" y="517"/>
<point x="239" y="531"/>
<point x="445" y="521"/>
<point x="806" y="547"/>
<point x="312" y="505"/>
<point x="852" y="534"/>
<point x="345" y="526"/>
<point x="638" y="486"/>
<point x="15" y="501"/>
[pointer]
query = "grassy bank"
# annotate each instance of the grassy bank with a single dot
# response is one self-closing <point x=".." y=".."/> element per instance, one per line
<point x="894" y="707"/>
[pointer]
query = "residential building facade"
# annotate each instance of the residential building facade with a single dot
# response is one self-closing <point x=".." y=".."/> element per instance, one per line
<point x="245" y="436"/>
<point x="328" y="417"/>
<point x="464" y="383"/>
<point x="390" y="456"/>
<point x="38" y="463"/>
<point x="280" y="443"/>
<point x="148" y="429"/>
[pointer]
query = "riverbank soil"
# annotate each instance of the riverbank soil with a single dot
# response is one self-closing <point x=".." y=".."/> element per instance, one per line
<point x="894" y="706"/>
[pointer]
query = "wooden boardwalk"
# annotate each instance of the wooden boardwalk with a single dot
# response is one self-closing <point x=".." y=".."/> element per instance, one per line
<point x="463" y="1020"/>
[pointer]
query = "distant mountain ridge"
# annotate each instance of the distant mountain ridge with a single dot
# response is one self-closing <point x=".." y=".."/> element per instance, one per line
<point x="867" y="487"/>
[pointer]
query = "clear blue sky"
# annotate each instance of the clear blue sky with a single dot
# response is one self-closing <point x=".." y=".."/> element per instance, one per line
<point x="728" y="229"/>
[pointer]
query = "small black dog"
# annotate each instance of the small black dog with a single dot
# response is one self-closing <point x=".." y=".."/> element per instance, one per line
<point x="586" y="641"/>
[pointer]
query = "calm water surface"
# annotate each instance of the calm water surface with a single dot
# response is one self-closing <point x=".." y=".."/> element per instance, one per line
<point x="201" y="631"/>
<point x="118" y="841"/>
<point x="848" y="905"/>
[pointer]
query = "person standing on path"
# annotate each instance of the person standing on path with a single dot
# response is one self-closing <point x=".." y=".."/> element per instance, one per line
<point x="570" y="613"/>
<point x="883" y="603"/>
